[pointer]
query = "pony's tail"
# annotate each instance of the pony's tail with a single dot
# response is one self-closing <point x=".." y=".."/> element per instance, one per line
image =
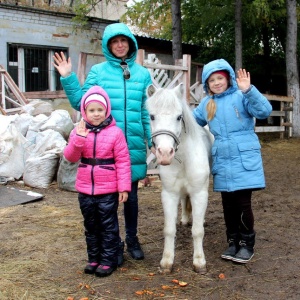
<point x="211" y="108"/>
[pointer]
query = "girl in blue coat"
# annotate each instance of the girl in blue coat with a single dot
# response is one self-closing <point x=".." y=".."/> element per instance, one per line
<point x="125" y="82"/>
<point x="229" y="110"/>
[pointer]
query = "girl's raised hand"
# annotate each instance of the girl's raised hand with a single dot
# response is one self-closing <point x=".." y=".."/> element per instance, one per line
<point x="62" y="65"/>
<point x="243" y="79"/>
<point x="81" y="129"/>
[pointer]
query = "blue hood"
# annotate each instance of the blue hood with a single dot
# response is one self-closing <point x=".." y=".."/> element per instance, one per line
<point x="218" y="65"/>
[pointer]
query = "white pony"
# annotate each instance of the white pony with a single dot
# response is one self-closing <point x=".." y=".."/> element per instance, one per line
<point x="183" y="155"/>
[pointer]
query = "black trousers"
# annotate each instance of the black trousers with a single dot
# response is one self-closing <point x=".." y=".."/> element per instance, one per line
<point x="238" y="214"/>
<point x="100" y="215"/>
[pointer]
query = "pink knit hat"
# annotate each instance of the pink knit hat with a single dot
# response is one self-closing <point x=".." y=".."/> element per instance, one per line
<point x="222" y="72"/>
<point x="95" y="98"/>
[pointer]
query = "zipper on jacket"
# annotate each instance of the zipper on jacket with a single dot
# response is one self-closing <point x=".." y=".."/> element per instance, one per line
<point x="237" y="113"/>
<point x="94" y="156"/>
<point x="125" y="114"/>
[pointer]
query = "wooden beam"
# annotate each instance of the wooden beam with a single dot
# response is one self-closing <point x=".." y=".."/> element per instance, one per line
<point x="45" y="94"/>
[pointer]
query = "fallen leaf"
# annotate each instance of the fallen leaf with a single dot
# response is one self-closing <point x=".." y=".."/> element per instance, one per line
<point x="87" y="286"/>
<point x="84" y="298"/>
<point x="175" y="281"/>
<point x="151" y="274"/>
<point x="70" y="298"/>
<point x="136" y="278"/>
<point x="139" y="292"/>
<point x="165" y="287"/>
<point x="221" y="276"/>
<point x="182" y="283"/>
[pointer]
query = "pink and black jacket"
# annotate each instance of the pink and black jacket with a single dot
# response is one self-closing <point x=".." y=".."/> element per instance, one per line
<point x="104" y="157"/>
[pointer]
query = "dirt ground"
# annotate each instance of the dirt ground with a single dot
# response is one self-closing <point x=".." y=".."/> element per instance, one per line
<point x="42" y="247"/>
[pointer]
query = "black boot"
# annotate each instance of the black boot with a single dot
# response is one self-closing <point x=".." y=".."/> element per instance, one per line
<point x="246" y="251"/>
<point x="231" y="251"/>
<point x="134" y="248"/>
<point x="121" y="254"/>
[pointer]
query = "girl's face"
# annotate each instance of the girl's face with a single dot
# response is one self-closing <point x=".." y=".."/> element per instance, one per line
<point x="119" y="46"/>
<point x="217" y="83"/>
<point x="95" y="113"/>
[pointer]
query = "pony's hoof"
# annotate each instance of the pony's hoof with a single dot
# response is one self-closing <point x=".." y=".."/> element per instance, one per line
<point x="164" y="271"/>
<point x="200" y="270"/>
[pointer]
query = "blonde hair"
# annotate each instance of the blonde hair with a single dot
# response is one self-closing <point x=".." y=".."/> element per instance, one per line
<point x="211" y="109"/>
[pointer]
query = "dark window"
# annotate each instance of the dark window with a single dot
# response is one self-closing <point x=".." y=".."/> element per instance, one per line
<point x="29" y="67"/>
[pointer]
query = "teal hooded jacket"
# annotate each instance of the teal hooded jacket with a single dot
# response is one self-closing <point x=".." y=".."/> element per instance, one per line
<point x="127" y="96"/>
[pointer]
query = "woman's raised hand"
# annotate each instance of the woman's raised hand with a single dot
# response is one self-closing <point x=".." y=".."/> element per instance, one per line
<point x="62" y="65"/>
<point x="243" y="79"/>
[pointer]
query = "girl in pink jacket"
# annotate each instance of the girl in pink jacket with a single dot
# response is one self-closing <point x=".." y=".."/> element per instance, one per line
<point x="103" y="178"/>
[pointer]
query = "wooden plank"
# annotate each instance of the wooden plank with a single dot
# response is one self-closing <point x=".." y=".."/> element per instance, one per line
<point x="45" y="94"/>
<point x="166" y="67"/>
<point x="269" y="129"/>
<point x="279" y="98"/>
<point x="10" y="111"/>
<point x="277" y="113"/>
<point x="13" y="87"/>
<point x="287" y="124"/>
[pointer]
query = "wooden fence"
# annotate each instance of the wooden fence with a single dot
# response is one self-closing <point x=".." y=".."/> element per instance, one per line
<point x="166" y="76"/>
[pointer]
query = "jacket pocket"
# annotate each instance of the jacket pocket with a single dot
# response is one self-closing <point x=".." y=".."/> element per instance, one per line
<point x="250" y="155"/>
<point x="107" y="168"/>
<point x="214" y="160"/>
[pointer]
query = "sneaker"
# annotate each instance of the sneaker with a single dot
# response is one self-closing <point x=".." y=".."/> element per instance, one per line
<point x="121" y="254"/>
<point x="231" y="251"/>
<point x="134" y="248"/>
<point x="103" y="271"/>
<point x="246" y="251"/>
<point x="244" y="255"/>
<point x="90" y="268"/>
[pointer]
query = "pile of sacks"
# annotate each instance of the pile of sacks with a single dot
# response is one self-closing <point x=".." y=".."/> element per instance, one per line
<point x="31" y="146"/>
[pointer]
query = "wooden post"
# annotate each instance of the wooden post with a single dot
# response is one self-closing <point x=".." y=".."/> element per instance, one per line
<point x="81" y="67"/>
<point x="140" y="56"/>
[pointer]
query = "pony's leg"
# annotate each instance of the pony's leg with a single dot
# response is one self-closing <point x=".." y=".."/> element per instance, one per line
<point x="186" y="210"/>
<point x="170" y="203"/>
<point x="199" y="205"/>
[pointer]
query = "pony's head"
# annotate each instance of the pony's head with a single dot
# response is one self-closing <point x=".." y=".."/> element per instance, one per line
<point x="166" y="110"/>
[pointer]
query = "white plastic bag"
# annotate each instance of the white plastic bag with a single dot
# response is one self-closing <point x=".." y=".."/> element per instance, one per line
<point x="59" y="121"/>
<point x="41" y="166"/>
<point x="66" y="175"/>
<point x="13" y="147"/>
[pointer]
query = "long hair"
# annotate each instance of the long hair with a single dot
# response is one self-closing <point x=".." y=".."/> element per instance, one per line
<point x="211" y="106"/>
<point x="211" y="109"/>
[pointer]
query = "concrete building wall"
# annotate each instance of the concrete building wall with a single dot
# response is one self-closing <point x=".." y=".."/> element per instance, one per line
<point x="45" y="28"/>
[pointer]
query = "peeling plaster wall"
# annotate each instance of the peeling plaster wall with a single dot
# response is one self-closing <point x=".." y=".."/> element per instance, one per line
<point x="45" y="28"/>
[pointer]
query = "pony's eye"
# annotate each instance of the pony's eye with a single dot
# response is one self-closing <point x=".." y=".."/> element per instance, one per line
<point x="152" y="117"/>
<point x="179" y="118"/>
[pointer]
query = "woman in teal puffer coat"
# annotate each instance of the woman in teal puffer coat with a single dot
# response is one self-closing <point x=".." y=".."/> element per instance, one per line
<point x="125" y="82"/>
<point x="229" y="110"/>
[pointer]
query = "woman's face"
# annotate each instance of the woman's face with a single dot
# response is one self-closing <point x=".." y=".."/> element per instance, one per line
<point x="119" y="46"/>
<point x="217" y="83"/>
<point x="95" y="113"/>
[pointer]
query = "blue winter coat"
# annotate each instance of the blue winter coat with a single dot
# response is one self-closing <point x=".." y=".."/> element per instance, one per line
<point x="237" y="162"/>
<point x="127" y="96"/>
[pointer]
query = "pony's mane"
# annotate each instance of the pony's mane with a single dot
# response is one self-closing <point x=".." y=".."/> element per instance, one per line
<point x="166" y="101"/>
<point x="163" y="102"/>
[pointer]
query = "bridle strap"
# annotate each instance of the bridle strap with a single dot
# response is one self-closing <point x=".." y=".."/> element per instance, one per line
<point x="167" y="132"/>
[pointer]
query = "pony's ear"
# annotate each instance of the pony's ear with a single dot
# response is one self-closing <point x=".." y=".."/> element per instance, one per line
<point x="179" y="90"/>
<point x="151" y="90"/>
